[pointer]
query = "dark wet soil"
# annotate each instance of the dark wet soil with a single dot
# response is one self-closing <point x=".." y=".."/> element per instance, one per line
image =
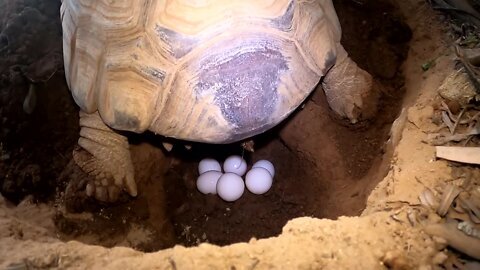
<point x="323" y="164"/>
<point x="34" y="148"/>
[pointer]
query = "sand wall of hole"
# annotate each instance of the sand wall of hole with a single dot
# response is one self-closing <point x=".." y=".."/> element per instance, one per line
<point x="369" y="241"/>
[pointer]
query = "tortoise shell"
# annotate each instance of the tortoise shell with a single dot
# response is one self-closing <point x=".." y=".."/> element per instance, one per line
<point x="211" y="71"/>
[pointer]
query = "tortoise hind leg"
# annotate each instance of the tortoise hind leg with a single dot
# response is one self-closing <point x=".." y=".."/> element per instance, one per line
<point x="349" y="89"/>
<point x="105" y="155"/>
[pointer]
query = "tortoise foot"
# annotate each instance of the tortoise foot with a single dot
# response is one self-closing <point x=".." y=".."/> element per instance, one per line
<point x="350" y="90"/>
<point x="104" y="155"/>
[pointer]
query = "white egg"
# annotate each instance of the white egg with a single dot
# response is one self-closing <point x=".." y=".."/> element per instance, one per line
<point x="209" y="164"/>
<point x="266" y="165"/>
<point x="230" y="187"/>
<point x="235" y="164"/>
<point x="258" y="180"/>
<point x="207" y="182"/>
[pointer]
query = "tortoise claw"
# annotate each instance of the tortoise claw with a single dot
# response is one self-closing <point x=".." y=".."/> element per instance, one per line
<point x="350" y="90"/>
<point x="101" y="186"/>
<point x="104" y="155"/>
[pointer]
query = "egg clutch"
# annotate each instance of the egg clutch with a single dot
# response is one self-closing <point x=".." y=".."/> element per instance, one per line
<point x="230" y="185"/>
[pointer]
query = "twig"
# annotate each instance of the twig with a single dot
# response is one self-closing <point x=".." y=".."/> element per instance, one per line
<point x="458" y="119"/>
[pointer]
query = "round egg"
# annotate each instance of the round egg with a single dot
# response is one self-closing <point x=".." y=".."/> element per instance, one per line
<point x="267" y="165"/>
<point x="207" y="182"/>
<point x="230" y="187"/>
<point x="235" y="164"/>
<point x="258" y="180"/>
<point x="209" y="164"/>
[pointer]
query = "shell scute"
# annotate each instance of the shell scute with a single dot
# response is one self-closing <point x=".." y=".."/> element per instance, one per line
<point x="202" y="70"/>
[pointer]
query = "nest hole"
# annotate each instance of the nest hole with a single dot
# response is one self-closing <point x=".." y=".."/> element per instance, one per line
<point x="325" y="167"/>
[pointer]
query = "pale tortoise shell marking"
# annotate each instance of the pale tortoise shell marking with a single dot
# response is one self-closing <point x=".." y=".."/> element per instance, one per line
<point x="190" y="69"/>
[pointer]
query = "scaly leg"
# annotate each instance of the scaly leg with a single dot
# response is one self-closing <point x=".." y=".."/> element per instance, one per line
<point x="105" y="155"/>
<point x="349" y="89"/>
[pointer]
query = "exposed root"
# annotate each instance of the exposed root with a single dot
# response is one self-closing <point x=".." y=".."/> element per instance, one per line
<point x="456" y="238"/>
<point x="460" y="207"/>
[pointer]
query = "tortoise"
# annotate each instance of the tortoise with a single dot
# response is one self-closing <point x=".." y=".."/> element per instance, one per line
<point x="209" y="71"/>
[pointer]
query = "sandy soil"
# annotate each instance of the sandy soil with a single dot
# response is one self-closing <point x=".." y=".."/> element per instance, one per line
<point x="382" y="237"/>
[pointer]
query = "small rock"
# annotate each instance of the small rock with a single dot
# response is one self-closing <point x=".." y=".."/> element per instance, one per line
<point x="395" y="260"/>
<point x="48" y="261"/>
<point x="458" y="88"/>
<point x="439" y="258"/>
<point x="4" y="157"/>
